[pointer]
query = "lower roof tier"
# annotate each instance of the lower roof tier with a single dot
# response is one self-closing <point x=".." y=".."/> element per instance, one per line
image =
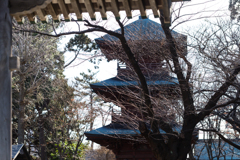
<point x="117" y="130"/>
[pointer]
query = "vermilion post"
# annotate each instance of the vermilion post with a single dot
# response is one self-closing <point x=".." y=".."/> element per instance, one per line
<point x="5" y="82"/>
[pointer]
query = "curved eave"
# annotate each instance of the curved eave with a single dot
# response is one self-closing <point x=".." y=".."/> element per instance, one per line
<point x="112" y="135"/>
<point x="118" y="83"/>
<point x="116" y="130"/>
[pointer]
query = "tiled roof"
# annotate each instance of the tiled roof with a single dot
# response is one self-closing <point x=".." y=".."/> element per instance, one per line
<point x="141" y="29"/>
<point x="120" y="129"/>
<point x="218" y="148"/>
<point x="119" y="82"/>
<point x="16" y="150"/>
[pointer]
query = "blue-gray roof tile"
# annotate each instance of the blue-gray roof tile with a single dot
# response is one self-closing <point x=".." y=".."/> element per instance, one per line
<point x="16" y="150"/>
<point x="142" y="29"/>
<point x="118" y="82"/>
<point x="120" y="129"/>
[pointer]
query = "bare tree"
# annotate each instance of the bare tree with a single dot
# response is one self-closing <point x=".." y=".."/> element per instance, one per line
<point x="234" y="8"/>
<point x="38" y="56"/>
<point x="158" y="111"/>
<point x="45" y="115"/>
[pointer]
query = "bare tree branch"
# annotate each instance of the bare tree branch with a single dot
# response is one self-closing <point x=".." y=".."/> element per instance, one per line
<point x="222" y="137"/>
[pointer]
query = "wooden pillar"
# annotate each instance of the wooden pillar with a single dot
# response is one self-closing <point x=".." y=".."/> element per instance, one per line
<point x="5" y="82"/>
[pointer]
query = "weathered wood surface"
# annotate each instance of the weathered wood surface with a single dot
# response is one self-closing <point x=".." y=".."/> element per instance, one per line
<point x="57" y="7"/>
<point x="5" y="82"/>
<point x="27" y="6"/>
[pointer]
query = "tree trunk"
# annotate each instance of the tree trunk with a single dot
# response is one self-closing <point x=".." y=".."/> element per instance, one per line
<point x="42" y="137"/>
<point x="174" y="150"/>
<point x="5" y="82"/>
<point x="60" y="152"/>
<point x="42" y="144"/>
<point x="91" y="112"/>
<point x="191" y="155"/>
<point x="21" y="112"/>
<point x="183" y="146"/>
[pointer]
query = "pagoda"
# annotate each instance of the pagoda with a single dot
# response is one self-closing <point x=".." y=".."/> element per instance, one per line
<point x="147" y="41"/>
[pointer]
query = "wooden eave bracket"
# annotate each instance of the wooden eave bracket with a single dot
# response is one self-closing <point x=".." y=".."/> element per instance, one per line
<point x="14" y="63"/>
<point x="66" y="7"/>
<point x="115" y="9"/>
<point x="142" y="9"/>
<point x="102" y="9"/>
<point x="166" y="5"/>
<point x="90" y="9"/>
<point x="154" y="8"/>
<point x="127" y="8"/>
<point x="77" y="9"/>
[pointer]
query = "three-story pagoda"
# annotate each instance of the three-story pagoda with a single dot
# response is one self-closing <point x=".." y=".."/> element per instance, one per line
<point x="147" y="42"/>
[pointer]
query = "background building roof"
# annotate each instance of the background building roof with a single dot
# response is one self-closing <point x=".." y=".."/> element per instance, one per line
<point x="16" y="155"/>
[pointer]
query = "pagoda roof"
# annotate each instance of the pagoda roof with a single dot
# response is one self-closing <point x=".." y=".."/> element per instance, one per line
<point x="141" y="29"/>
<point x="120" y="130"/>
<point x="122" y="82"/>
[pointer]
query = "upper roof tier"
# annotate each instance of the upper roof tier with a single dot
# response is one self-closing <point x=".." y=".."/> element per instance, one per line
<point x="145" y="38"/>
<point x="42" y="8"/>
<point x="141" y="29"/>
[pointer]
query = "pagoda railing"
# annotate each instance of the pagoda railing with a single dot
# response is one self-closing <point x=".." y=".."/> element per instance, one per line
<point x="146" y="68"/>
<point x="116" y="116"/>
